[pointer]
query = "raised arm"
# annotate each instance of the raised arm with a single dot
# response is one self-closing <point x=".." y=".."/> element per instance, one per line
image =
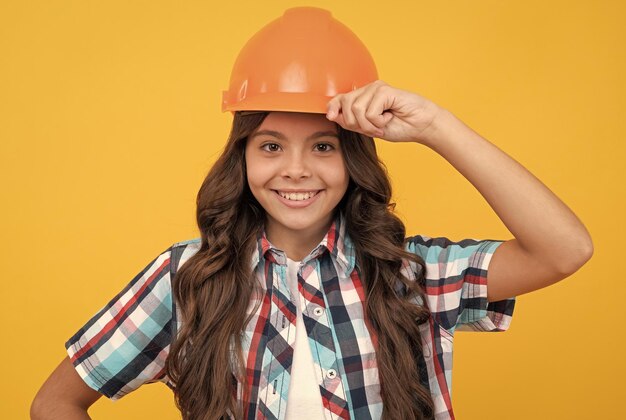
<point x="64" y="396"/>
<point x="550" y="241"/>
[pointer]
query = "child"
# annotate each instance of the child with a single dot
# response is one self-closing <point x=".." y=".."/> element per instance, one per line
<point x="303" y="298"/>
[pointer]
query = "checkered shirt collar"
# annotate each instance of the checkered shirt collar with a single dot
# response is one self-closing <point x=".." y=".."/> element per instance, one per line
<point x="336" y="241"/>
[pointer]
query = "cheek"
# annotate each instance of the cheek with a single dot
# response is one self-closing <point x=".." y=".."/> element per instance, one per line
<point x="338" y="172"/>
<point x="250" y="177"/>
<point x="258" y="173"/>
<point x="345" y="179"/>
<point x="251" y="168"/>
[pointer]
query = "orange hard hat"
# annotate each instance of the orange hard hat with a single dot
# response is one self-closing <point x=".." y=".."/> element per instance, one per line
<point x="298" y="62"/>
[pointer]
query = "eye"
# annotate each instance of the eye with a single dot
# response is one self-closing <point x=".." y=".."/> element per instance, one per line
<point x="324" y="147"/>
<point x="271" y="147"/>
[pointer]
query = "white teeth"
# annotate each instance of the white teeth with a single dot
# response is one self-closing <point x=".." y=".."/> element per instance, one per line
<point x="297" y="196"/>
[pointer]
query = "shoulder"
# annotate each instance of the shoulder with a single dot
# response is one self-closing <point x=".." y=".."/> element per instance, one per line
<point x="181" y="251"/>
<point x="188" y="242"/>
<point x="434" y="249"/>
<point x="455" y="283"/>
<point x="442" y="242"/>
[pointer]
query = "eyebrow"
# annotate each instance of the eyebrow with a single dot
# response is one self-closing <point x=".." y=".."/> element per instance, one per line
<point x="281" y="136"/>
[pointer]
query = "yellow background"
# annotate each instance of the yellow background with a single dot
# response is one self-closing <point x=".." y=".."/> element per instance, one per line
<point x="110" y="118"/>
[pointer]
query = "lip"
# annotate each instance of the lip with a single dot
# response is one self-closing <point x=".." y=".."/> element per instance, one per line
<point x="297" y="204"/>
<point x="291" y="190"/>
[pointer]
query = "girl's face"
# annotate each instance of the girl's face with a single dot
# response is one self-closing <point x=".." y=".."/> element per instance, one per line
<point x="297" y="173"/>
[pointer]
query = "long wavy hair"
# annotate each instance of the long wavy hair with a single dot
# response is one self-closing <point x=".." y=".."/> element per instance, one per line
<point x="213" y="289"/>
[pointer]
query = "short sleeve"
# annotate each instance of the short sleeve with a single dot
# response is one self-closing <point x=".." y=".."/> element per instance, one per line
<point x="126" y="343"/>
<point x="456" y="283"/>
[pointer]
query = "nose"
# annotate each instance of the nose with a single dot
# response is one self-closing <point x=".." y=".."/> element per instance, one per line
<point x="296" y="166"/>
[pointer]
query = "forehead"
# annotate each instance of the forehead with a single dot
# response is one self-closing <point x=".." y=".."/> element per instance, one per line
<point x="296" y="123"/>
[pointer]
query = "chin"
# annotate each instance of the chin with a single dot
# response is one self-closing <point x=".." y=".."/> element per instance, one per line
<point x="299" y="225"/>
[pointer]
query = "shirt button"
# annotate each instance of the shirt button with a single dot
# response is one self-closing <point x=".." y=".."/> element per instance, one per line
<point x="331" y="373"/>
<point x="318" y="311"/>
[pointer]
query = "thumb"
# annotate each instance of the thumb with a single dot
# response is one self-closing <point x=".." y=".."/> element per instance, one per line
<point x="387" y="116"/>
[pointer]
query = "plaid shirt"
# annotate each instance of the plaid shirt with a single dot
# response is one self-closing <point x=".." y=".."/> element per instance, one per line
<point x="126" y="343"/>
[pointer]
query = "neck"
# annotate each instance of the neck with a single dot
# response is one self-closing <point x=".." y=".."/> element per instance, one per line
<point x="297" y="244"/>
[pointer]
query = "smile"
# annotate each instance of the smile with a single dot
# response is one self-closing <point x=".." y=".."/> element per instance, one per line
<point x="297" y="195"/>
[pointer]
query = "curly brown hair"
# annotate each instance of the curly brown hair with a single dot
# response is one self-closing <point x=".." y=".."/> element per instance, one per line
<point x="213" y="289"/>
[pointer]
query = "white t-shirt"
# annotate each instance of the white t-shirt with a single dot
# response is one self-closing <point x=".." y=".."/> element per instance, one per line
<point x="304" y="400"/>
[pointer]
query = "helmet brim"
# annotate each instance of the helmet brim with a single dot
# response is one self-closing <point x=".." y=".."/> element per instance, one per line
<point x="280" y="101"/>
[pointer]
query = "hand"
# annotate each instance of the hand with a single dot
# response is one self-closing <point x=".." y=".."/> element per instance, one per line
<point x="380" y="110"/>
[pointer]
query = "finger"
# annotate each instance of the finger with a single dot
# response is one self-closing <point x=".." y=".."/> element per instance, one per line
<point x="333" y="107"/>
<point x="334" y="111"/>
<point x="387" y="116"/>
<point x="360" y="108"/>
<point x="352" y="106"/>
<point x="378" y="111"/>
<point x="349" y="119"/>
<point x="339" y="120"/>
